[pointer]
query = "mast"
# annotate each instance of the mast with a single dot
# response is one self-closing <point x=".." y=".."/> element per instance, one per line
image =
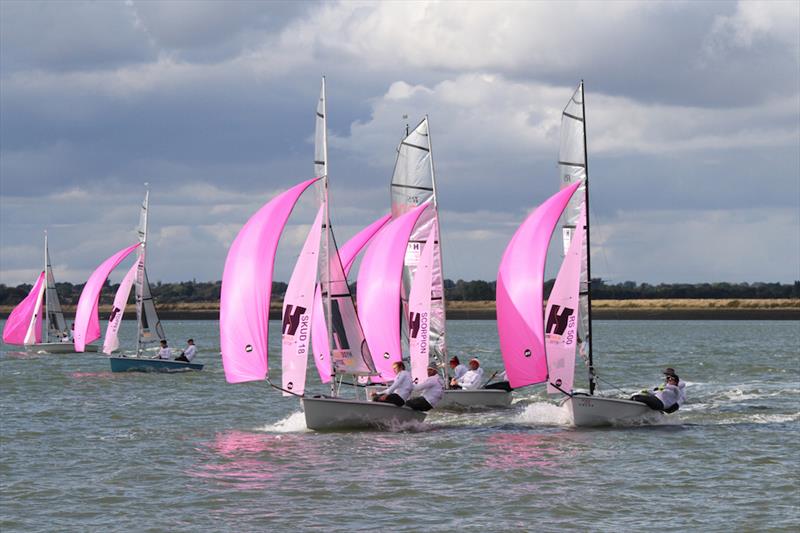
<point x="323" y="167"/>
<point x="592" y="382"/>
<point x="439" y="256"/>
<point x="46" y="292"/>
<point x="140" y="270"/>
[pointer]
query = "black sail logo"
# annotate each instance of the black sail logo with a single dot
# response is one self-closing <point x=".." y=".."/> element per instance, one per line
<point x="291" y="319"/>
<point x="413" y="324"/>
<point x="557" y="321"/>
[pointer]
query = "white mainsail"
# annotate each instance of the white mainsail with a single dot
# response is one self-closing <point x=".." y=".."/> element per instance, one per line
<point x="572" y="167"/>
<point x="414" y="184"/>
<point x="146" y="315"/>
<point x="56" y="325"/>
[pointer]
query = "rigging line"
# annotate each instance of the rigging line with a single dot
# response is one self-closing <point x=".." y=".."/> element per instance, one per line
<point x="271" y="384"/>
<point x="597" y="377"/>
<point x="415" y="146"/>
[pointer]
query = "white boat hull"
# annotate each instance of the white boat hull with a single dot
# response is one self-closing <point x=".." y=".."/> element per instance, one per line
<point x="474" y="399"/>
<point x="593" y="411"/>
<point x="56" y="347"/>
<point x="330" y="414"/>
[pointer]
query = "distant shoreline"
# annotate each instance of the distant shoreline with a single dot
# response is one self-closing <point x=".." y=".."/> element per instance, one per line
<point x="706" y="309"/>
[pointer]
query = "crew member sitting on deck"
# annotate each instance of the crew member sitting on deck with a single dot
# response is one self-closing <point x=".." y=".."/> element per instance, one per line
<point x="662" y="400"/>
<point x="669" y="371"/>
<point x="400" y="388"/>
<point x="189" y="353"/>
<point x="165" y="352"/>
<point x="432" y="390"/>
<point x="471" y="379"/>
<point x="457" y="368"/>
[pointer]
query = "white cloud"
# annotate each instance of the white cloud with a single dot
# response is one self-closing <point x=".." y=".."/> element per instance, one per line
<point x="777" y="20"/>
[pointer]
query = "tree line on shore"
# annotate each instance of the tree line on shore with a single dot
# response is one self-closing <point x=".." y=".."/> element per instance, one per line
<point x="475" y="290"/>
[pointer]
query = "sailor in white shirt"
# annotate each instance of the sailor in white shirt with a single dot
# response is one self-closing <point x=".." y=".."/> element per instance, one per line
<point x="457" y="368"/>
<point x="165" y="352"/>
<point x="400" y="389"/>
<point x="432" y="390"/>
<point x="664" y="399"/>
<point x="472" y="379"/>
<point x="189" y="353"/>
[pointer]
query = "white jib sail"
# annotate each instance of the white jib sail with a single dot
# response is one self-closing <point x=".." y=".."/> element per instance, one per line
<point x="414" y="184"/>
<point x="572" y="169"/>
<point x="297" y="312"/>
<point x="111" y="340"/>
<point x="30" y="334"/>
<point x="419" y="309"/>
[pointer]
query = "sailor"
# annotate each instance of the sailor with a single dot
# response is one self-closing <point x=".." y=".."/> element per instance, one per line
<point x="471" y="379"/>
<point x="400" y="389"/>
<point x="664" y="399"/>
<point x="431" y="390"/>
<point x="165" y="352"/>
<point x="457" y="368"/>
<point x="669" y="371"/>
<point x="189" y="353"/>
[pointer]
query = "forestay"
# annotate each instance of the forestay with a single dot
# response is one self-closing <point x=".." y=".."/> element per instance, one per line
<point x="414" y="184"/>
<point x="87" y="319"/>
<point x="562" y="316"/>
<point x="247" y="288"/>
<point x="379" y="288"/>
<point x="520" y="291"/>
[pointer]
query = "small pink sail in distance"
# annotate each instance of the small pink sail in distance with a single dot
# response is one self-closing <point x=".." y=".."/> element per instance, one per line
<point x="562" y="315"/>
<point x="419" y="311"/>
<point x="520" y="292"/>
<point x="379" y="289"/>
<point x="319" y="329"/>
<point x="21" y="326"/>
<point x="297" y="313"/>
<point x="111" y="340"/>
<point x="247" y="288"/>
<point x="87" y="318"/>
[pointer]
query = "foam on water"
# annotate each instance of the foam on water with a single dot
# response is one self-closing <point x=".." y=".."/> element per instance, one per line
<point x="544" y="413"/>
<point x="294" y="423"/>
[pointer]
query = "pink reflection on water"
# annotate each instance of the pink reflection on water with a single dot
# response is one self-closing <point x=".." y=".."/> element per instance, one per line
<point x="80" y="375"/>
<point x="252" y="461"/>
<point x="508" y="451"/>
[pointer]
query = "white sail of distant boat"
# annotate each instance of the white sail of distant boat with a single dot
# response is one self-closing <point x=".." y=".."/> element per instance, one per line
<point x="111" y="339"/>
<point x="414" y="184"/>
<point x="55" y="325"/>
<point x="149" y="326"/>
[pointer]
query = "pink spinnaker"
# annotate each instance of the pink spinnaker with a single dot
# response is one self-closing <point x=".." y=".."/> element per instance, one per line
<point x="379" y="288"/>
<point x="562" y="316"/>
<point x="297" y="313"/>
<point x="520" y="291"/>
<point x="111" y="340"/>
<point x="319" y="329"/>
<point x="247" y="288"/>
<point x="87" y="318"/>
<point x="419" y="311"/>
<point x="24" y="323"/>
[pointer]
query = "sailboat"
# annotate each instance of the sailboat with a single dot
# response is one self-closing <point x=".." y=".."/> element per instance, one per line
<point x="38" y="322"/>
<point x="148" y="325"/>
<point x="244" y="311"/>
<point x="539" y="345"/>
<point x="414" y="184"/>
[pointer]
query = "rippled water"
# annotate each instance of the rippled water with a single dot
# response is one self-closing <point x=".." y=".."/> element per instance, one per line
<point x="85" y="449"/>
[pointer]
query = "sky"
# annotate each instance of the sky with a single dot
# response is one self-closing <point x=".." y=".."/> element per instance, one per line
<point x="693" y="126"/>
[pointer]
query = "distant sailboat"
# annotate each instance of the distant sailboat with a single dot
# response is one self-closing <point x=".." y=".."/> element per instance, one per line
<point x="38" y="322"/>
<point x="149" y="330"/>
